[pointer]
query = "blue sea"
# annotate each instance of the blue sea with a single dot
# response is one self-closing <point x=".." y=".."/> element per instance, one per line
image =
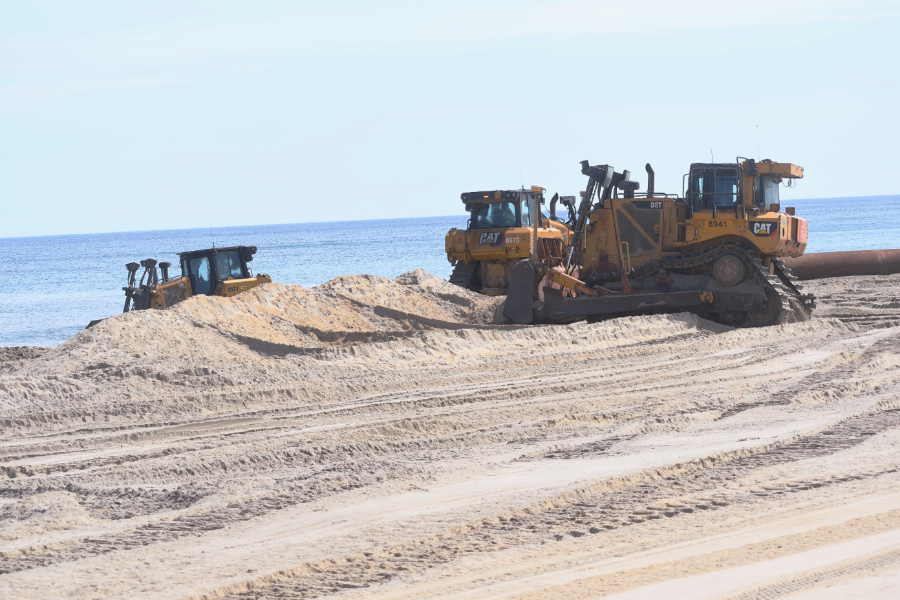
<point x="54" y="285"/>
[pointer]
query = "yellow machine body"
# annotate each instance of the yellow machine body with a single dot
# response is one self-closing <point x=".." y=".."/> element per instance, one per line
<point x="638" y="230"/>
<point x="208" y="272"/>
<point x="502" y="230"/>
<point x="174" y="291"/>
<point x="715" y="251"/>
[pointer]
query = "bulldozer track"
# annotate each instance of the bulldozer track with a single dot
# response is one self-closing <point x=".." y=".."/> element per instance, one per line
<point x="463" y="273"/>
<point x="782" y="282"/>
<point x="792" y="283"/>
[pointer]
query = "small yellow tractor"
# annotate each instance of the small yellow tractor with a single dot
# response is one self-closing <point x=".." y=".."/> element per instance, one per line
<point x="716" y="251"/>
<point x="210" y="272"/>
<point x="504" y="227"/>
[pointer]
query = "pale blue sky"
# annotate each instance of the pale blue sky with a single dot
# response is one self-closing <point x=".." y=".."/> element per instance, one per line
<point x="154" y="115"/>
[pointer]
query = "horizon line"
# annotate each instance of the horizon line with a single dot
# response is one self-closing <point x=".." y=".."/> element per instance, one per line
<point x="19" y="237"/>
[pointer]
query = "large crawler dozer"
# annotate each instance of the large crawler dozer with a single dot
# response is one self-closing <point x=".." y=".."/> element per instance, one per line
<point x="716" y="251"/>
<point x="501" y="231"/>
<point x="210" y="272"/>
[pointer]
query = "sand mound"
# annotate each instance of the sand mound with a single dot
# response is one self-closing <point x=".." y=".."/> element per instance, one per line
<point x="209" y="343"/>
<point x="277" y="318"/>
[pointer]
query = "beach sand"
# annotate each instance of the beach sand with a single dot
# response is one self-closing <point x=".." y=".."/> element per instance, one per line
<point x="377" y="438"/>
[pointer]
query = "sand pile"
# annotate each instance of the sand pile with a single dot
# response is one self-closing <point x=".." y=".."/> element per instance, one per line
<point x="276" y="317"/>
<point x="355" y="440"/>
<point x="208" y="343"/>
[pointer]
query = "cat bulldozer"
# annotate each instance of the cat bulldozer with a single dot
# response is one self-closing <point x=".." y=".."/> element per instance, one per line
<point x="210" y="272"/>
<point x="505" y="227"/>
<point x="716" y="251"/>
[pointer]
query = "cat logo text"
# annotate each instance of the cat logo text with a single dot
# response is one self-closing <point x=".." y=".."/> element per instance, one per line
<point x="492" y="238"/>
<point x="764" y="228"/>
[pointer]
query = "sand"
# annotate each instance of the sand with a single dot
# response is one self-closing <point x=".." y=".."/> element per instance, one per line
<point x="376" y="438"/>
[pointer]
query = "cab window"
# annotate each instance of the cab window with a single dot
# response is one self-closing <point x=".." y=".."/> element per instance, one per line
<point x="502" y="214"/>
<point x="200" y="275"/>
<point x="767" y="192"/>
<point x="714" y="187"/>
<point x="228" y="264"/>
<point x="697" y="190"/>
<point x="527" y="210"/>
<point x="726" y="190"/>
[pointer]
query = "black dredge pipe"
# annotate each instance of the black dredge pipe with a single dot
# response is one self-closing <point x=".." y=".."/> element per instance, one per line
<point x="822" y="265"/>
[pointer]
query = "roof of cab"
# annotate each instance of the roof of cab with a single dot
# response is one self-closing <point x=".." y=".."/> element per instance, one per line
<point x="490" y="197"/>
<point x="252" y="250"/>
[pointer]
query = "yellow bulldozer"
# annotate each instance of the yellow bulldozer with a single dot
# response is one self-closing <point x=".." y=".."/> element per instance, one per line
<point x="506" y="226"/>
<point x="210" y="272"/>
<point x="715" y="251"/>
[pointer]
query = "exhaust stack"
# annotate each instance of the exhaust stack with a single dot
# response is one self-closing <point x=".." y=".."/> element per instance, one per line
<point x="651" y="177"/>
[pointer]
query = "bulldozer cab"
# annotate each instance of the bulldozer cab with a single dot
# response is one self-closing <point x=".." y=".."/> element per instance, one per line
<point x="504" y="227"/>
<point x="502" y="209"/>
<point x="715" y="187"/>
<point x="739" y="187"/>
<point x="210" y="272"/>
<point x="209" y="269"/>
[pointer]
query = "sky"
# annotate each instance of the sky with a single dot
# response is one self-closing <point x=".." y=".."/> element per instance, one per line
<point x="124" y="116"/>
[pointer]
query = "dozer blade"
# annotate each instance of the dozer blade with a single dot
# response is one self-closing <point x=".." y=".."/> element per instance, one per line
<point x="519" y="298"/>
<point x="561" y="309"/>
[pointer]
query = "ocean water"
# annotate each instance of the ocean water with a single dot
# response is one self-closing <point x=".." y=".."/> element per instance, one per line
<point x="54" y="285"/>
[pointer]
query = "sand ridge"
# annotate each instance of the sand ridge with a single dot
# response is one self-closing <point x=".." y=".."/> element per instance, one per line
<point x="377" y="438"/>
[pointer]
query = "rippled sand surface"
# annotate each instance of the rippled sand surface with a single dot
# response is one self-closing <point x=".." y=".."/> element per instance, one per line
<point x="378" y="438"/>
